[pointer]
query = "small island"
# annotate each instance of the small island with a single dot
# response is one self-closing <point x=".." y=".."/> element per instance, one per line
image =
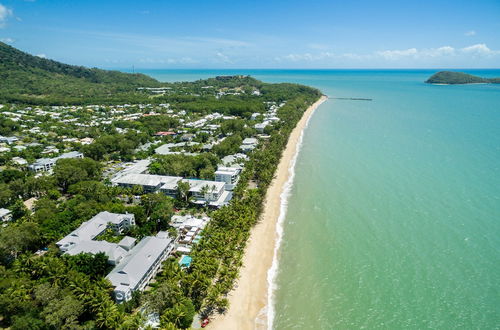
<point x="459" y="78"/>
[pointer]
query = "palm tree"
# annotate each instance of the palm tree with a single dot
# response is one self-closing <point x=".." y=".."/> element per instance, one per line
<point x="133" y="322"/>
<point x="107" y="316"/>
<point x="222" y="305"/>
<point x="177" y="313"/>
<point x="183" y="190"/>
<point x="204" y="191"/>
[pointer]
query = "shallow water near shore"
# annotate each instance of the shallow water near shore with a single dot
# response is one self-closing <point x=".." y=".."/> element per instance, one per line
<point x="394" y="216"/>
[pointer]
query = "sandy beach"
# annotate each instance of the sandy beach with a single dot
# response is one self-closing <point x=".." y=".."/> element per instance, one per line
<point x="248" y="300"/>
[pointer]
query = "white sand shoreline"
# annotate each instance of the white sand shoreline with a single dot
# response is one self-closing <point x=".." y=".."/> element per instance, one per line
<point x="249" y="299"/>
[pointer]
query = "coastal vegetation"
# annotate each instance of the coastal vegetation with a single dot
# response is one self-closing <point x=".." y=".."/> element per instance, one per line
<point x="200" y="166"/>
<point x="457" y="78"/>
<point x="31" y="79"/>
<point x="39" y="288"/>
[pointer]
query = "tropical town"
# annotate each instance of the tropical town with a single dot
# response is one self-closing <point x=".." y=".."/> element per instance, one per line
<point x="130" y="215"/>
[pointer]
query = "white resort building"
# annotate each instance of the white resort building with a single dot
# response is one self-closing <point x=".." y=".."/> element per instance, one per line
<point x="135" y="265"/>
<point x="140" y="266"/>
<point x="46" y="164"/>
<point x="96" y="226"/>
<point x="203" y="192"/>
<point x="228" y="175"/>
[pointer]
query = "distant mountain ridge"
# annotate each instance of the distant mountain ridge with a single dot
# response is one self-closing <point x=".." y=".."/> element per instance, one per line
<point x="455" y="78"/>
<point x="25" y="78"/>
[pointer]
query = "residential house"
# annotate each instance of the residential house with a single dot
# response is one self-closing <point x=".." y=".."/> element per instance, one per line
<point x="19" y="161"/>
<point x="261" y="126"/>
<point x="8" y="139"/>
<point x="249" y="144"/>
<point x="5" y="215"/>
<point x="46" y="164"/>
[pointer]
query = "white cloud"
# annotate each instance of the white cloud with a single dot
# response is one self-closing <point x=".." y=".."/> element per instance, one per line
<point x="436" y="52"/>
<point x="480" y="50"/>
<point x="322" y="57"/>
<point x="357" y="57"/>
<point x="445" y="50"/>
<point x="298" y="57"/>
<point x="223" y="58"/>
<point x="5" y="13"/>
<point x="444" y="54"/>
<point x="182" y="60"/>
<point x="7" y="40"/>
<point x="470" y="33"/>
<point x="41" y="55"/>
<point x="397" y="54"/>
<point x="306" y="57"/>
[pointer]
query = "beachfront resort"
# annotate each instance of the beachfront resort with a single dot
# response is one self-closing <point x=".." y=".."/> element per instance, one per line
<point x="137" y="199"/>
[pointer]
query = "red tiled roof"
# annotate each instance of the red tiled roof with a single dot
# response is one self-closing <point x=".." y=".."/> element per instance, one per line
<point x="165" y="133"/>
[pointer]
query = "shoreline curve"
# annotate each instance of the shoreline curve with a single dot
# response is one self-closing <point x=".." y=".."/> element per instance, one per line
<point x="250" y="298"/>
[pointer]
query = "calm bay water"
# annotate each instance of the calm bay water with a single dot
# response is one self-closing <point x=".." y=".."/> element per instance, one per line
<point x="394" y="216"/>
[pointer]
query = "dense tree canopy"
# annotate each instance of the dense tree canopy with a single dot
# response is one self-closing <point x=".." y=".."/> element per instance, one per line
<point x="31" y="79"/>
<point x="45" y="290"/>
<point x="454" y="78"/>
<point x="73" y="170"/>
<point x="8" y="126"/>
<point x="200" y="166"/>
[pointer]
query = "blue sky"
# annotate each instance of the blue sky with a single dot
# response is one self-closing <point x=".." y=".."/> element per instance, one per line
<point x="257" y="34"/>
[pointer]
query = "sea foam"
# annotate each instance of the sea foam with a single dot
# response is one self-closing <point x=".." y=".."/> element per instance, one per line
<point x="285" y="194"/>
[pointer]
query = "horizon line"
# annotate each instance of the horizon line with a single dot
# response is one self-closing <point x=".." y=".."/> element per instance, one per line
<point x="201" y="68"/>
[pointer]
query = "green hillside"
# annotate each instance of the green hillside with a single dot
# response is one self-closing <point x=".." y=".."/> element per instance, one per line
<point x="454" y="78"/>
<point x="31" y="79"/>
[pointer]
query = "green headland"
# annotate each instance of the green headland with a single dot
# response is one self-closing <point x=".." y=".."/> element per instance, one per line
<point x="459" y="78"/>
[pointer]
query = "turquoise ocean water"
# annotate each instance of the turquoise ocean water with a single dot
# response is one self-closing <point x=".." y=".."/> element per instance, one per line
<point x="394" y="215"/>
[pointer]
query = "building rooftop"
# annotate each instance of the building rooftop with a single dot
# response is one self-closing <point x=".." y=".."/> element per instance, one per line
<point x="127" y="241"/>
<point x="4" y="212"/>
<point x="88" y="230"/>
<point x="183" y="249"/>
<point x="232" y="159"/>
<point x="128" y="274"/>
<point x="228" y="170"/>
<point x="113" y="251"/>
<point x="137" y="167"/>
<point x="108" y="217"/>
<point x="248" y="141"/>
<point x="46" y="161"/>
<point x="197" y="185"/>
<point x="144" y="179"/>
<point x="189" y="221"/>
<point x="71" y="154"/>
<point x="164" y="149"/>
<point x="170" y="182"/>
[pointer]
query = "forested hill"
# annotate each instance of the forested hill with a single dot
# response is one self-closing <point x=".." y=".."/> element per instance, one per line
<point x="32" y="79"/>
<point x="454" y="78"/>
